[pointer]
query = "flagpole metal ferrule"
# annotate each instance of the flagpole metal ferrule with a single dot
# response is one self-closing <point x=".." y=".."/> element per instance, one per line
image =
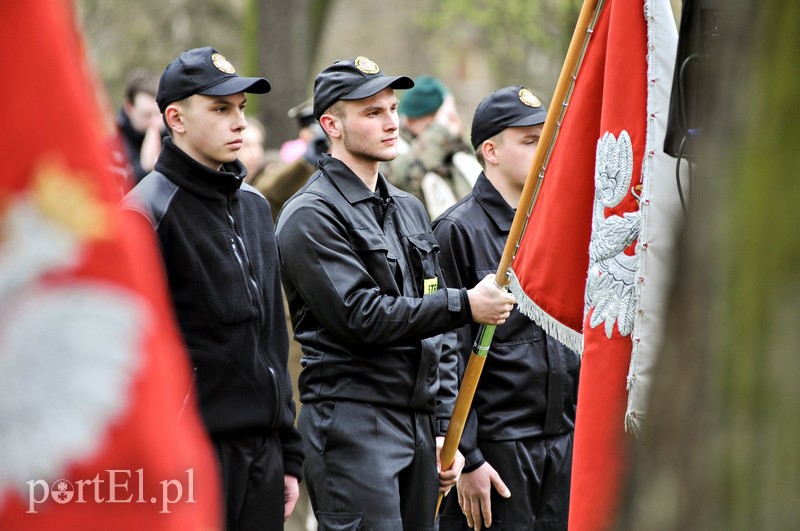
<point x="484" y="340"/>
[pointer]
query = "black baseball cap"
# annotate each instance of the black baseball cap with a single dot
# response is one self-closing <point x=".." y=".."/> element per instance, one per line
<point x="514" y="106"/>
<point x="303" y="113"/>
<point x="352" y="79"/>
<point x="204" y="71"/>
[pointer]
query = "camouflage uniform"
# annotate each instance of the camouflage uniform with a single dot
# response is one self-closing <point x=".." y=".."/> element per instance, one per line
<point x="431" y="151"/>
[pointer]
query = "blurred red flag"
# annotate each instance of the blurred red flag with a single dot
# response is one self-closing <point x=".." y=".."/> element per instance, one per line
<point x="97" y="428"/>
<point x="606" y="208"/>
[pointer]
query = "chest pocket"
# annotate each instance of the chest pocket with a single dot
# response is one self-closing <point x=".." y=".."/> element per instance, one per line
<point x="378" y="256"/>
<point x="224" y="278"/>
<point x="423" y="253"/>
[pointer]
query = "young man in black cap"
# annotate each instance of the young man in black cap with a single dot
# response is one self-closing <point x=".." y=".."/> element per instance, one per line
<point x="518" y="438"/>
<point x="217" y="241"/>
<point x="369" y="308"/>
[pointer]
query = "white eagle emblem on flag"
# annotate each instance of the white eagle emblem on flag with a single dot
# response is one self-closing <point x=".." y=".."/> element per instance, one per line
<point x="610" y="287"/>
<point x="68" y="351"/>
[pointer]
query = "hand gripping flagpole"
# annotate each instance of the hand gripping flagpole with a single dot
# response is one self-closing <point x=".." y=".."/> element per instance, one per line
<point x="566" y="82"/>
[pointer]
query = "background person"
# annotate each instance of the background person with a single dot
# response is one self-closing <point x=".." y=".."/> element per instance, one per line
<point x="517" y="441"/>
<point x="252" y="153"/>
<point x="433" y="162"/>
<point x="307" y="129"/>
<point x="140" y="124"/>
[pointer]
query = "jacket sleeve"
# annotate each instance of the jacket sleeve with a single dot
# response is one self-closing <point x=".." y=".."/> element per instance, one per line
<point x="448" y="381"/>
<point x="458" y="271"/>
<point x="292" y="447"/>
<point x="318" y="259"/>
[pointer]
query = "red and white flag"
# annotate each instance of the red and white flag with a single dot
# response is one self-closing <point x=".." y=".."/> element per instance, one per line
<point x="97" y="428"/>
<point x="595" y="260"/>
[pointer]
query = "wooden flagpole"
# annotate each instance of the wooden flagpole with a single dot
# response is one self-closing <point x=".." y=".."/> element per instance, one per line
<point x="469" y="383"/>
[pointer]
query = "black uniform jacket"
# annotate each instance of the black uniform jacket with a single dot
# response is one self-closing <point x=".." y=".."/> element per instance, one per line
<point x="529" y="383"/>
<point x="218" y="244"/>
<point x="356" y="269"/>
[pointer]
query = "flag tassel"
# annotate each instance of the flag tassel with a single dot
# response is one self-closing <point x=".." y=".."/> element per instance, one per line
<point x="560" y="332"/>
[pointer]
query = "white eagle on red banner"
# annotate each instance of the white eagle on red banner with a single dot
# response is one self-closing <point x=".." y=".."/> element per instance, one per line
<point x="610" y="287"/>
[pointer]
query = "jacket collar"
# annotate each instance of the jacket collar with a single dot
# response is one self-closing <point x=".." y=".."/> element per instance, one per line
<point x="348" y="183"/>
<point x="197" y="178"/>
<point x="493" y="203"/>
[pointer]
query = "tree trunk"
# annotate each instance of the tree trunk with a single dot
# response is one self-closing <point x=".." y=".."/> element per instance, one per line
<point x="284" y="57"/>
<point x="721" y="446"/>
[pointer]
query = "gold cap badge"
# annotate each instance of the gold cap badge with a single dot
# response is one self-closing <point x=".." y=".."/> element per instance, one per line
<point x="528" y="98"/>
<point x="366" y="65"/>
<point x="222" y="64"/>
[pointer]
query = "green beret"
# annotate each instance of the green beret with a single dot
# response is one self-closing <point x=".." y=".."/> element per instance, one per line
<point x="425" y="97"/>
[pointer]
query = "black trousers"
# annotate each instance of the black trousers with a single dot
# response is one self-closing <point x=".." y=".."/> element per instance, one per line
<point x="251" y="470"/>
<point x="537" y="471"/>
<point x="369" y="467"/>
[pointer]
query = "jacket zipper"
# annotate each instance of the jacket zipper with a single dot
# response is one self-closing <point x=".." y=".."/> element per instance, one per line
<point x="243" y="261"/>
<point x="276" y="394"/>
<point x="242" y="268"/>
<point x="253" y="294"/>
<point x="189" y="391"/>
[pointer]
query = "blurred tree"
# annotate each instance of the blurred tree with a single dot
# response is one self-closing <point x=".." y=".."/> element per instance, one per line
<point x="285" y="39"/>
<point x="525" y="40"/>
<point x="122" y="36"/>
<point x="474" y="45"/>
<point x="720" y="446"/>
<point x="272" y="38"/>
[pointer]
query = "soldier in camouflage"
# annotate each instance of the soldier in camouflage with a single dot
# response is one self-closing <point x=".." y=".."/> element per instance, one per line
<point x="434" y="163"/>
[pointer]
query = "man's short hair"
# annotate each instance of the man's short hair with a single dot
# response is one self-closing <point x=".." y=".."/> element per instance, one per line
<point x="140" y="80"/>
